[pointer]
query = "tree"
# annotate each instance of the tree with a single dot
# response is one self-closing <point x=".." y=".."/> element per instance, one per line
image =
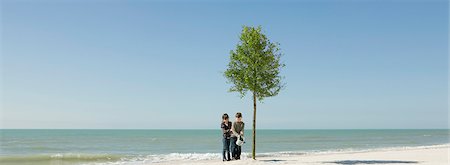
<point x="255" y="66"/>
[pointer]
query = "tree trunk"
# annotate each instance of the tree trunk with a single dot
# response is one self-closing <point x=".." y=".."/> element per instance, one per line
<point x="254" y="127"/>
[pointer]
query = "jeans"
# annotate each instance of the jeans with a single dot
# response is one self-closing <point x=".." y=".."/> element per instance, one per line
<point x="235" y="149"/>
<point x="226" y="149"/>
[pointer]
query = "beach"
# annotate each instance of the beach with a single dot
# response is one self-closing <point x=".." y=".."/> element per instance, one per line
<point x="432" y="155"/>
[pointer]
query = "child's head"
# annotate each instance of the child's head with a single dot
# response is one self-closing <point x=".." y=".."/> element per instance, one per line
<point x="239" y="116"/>
<point x="225" y="117"/>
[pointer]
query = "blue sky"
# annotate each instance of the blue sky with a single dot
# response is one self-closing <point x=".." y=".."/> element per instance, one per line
<point x="158" y="64"/>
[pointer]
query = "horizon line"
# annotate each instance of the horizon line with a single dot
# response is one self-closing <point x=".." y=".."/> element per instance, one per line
<point x="219" y="129"/>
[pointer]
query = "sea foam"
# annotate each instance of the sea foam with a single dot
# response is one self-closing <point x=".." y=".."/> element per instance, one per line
<point x="176" y="157"/>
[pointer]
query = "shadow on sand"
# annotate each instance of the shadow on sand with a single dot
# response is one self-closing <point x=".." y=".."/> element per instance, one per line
<point x="273" y="160"/>
<point x="357" y="162"/>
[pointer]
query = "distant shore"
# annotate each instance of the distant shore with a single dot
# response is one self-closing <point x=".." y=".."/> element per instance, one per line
<point x="433" y="155"/>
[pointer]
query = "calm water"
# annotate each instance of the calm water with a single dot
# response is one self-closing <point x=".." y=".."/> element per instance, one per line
<point x="131" y="146"/>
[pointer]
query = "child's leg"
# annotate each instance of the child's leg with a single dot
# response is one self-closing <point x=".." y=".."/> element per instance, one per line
<point x="224" y="148"/>
<point x="233" y="146"/>
<point x="228" y="149"/>
<point x="238" y="152"/>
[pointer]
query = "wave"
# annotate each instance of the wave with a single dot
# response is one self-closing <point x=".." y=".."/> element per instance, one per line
<point x="66" y="157"/>
<point x="109" y="159"/>
<point x="175" y="157"/>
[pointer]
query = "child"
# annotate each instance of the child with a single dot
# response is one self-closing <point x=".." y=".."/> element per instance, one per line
<point x="226" y="130"/>
<point x="238" y="131"/>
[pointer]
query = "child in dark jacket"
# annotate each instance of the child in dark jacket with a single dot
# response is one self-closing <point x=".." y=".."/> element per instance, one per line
<point x="226" y="131"/>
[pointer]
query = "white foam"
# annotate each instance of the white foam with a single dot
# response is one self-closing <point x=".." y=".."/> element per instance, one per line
<point x="173" y="157"/>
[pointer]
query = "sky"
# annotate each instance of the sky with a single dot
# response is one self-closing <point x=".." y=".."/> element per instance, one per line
<point x="94" y="64"/>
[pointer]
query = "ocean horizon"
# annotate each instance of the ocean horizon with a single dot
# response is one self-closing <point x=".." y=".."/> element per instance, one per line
<point x="134" y="146"/>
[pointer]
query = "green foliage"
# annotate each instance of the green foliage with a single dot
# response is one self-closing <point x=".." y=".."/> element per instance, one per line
<point x="255" y="65"/>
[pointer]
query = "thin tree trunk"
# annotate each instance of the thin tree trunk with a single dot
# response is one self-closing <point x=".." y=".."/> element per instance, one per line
<point x="254" y="127"/>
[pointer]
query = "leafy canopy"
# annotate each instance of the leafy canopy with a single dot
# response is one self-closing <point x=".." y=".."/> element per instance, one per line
<point x="255" y="65"/>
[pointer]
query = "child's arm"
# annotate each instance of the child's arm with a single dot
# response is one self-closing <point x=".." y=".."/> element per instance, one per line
<point x="223" y="128"/>
<point x="242" y="132"/>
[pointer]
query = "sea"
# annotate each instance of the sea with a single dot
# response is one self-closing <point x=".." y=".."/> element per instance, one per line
<point x="120" y="147"/>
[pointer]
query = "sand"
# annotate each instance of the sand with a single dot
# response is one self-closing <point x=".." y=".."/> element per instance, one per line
<point x="408" y="156"/>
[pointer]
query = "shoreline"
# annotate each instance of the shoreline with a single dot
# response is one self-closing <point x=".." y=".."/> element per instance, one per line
<point x="423" y="155"/>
